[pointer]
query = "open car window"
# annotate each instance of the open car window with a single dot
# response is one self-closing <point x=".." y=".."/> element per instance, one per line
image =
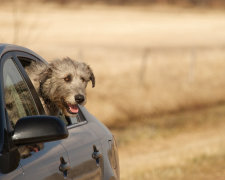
<point x="69" y="121"/>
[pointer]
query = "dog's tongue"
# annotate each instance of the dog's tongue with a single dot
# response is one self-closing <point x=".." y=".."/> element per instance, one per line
<point x="73" y="108"/>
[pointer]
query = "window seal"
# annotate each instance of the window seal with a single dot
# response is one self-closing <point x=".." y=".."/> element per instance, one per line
<point x="81" y="116"/>
<point x="77" y="124"/>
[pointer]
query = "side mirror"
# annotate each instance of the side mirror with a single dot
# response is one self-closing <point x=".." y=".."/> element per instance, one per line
<point x="38" y="129"/>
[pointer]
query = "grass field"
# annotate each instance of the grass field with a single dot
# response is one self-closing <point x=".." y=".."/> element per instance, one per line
<point x="184" y="145"/>
<point x="160" y="78"/>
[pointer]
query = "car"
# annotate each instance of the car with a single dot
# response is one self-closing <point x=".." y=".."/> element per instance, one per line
<point x="34" y="145"/>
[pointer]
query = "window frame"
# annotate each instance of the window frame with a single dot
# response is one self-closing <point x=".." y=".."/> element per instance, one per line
<point x="26" y="79"/>
<point x="11" y="58"/>
<point x="81" y="123"/>
<point x="6" y="143"/>
<point x="35" y="96"/>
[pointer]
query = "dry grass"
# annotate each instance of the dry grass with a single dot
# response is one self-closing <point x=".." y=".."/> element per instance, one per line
<point x="185" y="145"/>
<point x="148" y="62"/>
<point x="203" y="167"/>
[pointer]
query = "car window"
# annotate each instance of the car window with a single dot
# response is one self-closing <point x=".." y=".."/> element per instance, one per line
<point x="18" y="100"/>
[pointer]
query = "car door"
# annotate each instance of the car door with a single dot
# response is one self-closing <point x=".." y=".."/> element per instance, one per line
<point x="82" y="146"/>
<point x="38" y="161"/>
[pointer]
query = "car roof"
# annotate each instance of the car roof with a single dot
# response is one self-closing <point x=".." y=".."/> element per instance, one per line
<point x="11" y="47"/>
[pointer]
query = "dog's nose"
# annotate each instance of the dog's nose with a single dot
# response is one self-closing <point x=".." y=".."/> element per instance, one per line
<point x="79" y="98"/>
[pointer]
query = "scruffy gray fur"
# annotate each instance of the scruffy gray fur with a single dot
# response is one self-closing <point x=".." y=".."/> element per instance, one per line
<point x="61" y="84"/>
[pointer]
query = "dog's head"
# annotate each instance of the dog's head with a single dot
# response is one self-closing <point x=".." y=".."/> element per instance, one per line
<point x="66" y="82"/>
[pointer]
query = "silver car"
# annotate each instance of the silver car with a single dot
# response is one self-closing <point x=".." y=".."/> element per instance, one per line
<point x="36" y="146"/>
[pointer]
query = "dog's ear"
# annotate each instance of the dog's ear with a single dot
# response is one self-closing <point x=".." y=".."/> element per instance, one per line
<point x="91" y="74"/>
<point x="92" y="78"/>
<point x="89" y="71"/>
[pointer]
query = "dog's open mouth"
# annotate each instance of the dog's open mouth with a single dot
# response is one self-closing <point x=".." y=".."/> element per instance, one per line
<point x="71" y="108"/>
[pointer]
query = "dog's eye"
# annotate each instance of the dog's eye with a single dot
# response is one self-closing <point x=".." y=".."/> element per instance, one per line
<point x="68" y="78"/>
<point x="82" y="79"/>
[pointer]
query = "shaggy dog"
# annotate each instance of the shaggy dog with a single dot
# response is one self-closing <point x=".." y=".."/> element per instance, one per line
<point x="61" y="85"/>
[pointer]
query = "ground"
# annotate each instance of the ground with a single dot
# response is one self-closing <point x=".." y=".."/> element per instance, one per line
<point x="184" y="145"/>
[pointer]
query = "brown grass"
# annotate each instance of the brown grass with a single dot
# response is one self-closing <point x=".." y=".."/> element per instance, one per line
<point x="156" y="69"/>
<point x="185" y="145"/>
<point x="202" y="167"/>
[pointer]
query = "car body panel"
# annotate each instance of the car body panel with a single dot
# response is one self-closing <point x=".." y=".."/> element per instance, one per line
<point x="107" y="142"/>
<point x="40" y="165"/>
<point x="80" y="149"/>
<point x="46" y="162"/>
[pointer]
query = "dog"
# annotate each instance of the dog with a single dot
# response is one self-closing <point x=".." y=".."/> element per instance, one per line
<point x="61" y="84"/>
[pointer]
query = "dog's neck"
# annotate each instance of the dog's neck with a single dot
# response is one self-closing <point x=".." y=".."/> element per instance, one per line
<point x="52" y="108"/>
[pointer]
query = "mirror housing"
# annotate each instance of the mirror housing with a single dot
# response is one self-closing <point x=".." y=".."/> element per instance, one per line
<point x="9" y="161"/>
<point x="38" y="129"/>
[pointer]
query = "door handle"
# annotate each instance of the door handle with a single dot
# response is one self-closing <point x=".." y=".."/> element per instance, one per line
<point x="63" y="167"/>
<point x="96" y="155"/>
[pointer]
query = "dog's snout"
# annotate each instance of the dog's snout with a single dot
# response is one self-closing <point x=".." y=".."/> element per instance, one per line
<point x="79" y="98"/>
